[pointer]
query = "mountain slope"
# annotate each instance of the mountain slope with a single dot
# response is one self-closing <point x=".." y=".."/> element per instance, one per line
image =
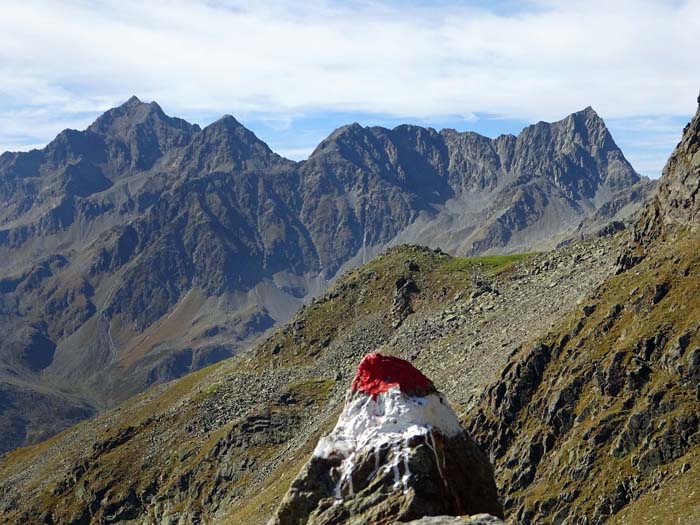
<point x="224" y="443"/>
<point x="551" y="177"/>
<point x="144" y="247"/>
<point x="598" y="421"/>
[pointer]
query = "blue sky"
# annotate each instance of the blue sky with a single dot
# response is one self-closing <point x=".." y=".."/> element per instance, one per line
<point x="292" y="72"/>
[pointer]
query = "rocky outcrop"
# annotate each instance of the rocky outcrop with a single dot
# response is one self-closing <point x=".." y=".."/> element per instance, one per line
<point x="676" y="201"/>
<point x="675" y="204"/>
<point x="397" y="452"/>
<point x="401" y="307"/>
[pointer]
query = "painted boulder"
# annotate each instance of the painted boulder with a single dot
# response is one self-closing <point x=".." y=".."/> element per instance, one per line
<point x="397" y="453"/>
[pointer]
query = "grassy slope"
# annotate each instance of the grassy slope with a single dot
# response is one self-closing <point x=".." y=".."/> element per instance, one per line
<point x="587" y="351"/>
<point x="226" y="441"/>
<point x="317" y="344"/>
<point x="676" y="501"/>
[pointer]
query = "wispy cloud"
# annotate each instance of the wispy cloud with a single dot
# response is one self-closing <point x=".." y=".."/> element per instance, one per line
<point x="648" y="140"/>
<point x="280" y="59"/>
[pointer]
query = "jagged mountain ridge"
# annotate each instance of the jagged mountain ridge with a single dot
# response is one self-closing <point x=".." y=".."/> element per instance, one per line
<point x="146" y="247"/>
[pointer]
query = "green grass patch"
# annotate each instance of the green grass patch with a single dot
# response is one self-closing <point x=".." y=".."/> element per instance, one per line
<point x="207" y="392"/>
<point x="311" y="389"/>
<point x="490" y="263"/>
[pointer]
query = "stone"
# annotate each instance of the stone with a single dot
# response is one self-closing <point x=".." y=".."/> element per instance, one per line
<point x="660" y="291"/>
<point x="397" y="452"/>
<point x="478" y="519"/>
<point x="401" y="306"/>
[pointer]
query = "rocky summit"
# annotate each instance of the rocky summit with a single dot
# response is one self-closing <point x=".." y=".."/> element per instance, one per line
<point x="397" y="452"/>
<point x="145" y="247"/>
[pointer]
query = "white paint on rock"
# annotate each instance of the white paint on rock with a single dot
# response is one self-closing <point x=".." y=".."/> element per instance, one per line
<point x="391" y="420"/>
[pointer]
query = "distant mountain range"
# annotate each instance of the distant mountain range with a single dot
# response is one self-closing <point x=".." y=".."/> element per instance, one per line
<point x="146" y="247"/>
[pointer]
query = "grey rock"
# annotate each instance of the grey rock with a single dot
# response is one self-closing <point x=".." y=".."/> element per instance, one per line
<point x="478" y="519"/>
<point x="420" y="475"/>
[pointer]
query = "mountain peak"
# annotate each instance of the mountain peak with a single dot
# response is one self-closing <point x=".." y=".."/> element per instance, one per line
<point x="227" y="145"/>
<point x="347" y="135"/>
<point x="353" y="129"/>
<point x="228" y="121"/>
<point x="144" y="128"/>
<point x="587" y="118"/>
<point x="228" y="126"/>
<point x="128" y="114"/>
<point x="133" y="100"/>
<point x="136" y="106"/>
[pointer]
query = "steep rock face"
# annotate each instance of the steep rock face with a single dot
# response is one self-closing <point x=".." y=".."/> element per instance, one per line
<point x="397" y="452"/>
<point x="676" y="200"/>
<point x="536" y="189"/>
<point x="578" y="154"/>
<point x="362" y="186"/>
<point x="675" y="203"/>
<point x="145" y="247"/>
<point x="137" y="135"/>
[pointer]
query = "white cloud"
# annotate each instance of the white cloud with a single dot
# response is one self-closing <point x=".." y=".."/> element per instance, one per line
<point x="647" y="141"/>
<point x="73" y="59"/>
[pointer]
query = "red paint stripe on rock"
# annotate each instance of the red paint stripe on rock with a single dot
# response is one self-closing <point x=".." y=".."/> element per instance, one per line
<point x="378" y="373"/>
